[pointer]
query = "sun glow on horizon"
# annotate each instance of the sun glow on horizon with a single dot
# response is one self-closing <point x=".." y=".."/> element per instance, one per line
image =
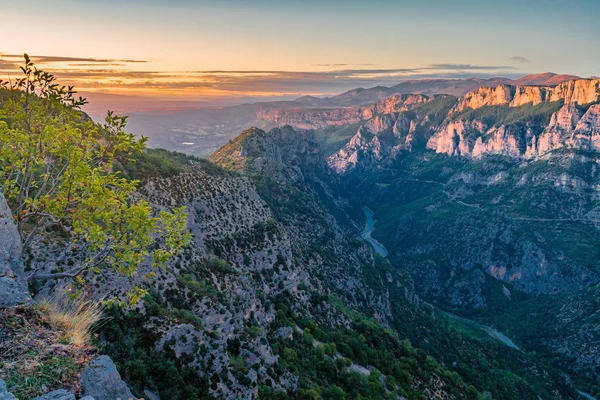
<point x="209" y="50"/>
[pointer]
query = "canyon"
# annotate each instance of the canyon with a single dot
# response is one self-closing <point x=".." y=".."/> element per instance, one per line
<point x="380" y="248"/>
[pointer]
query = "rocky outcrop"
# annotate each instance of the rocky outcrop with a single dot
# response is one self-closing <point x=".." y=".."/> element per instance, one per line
<point x="580" y="91"/>
<point x="321" y="118"/>
<point x="394" y="104"/>
<point x="60" y="394"/>
<point x="10" y="243"/>
<point x="101" y="380"/>
<point x="456" y="138"/>
<point x="13" y="290"/>
<point x="571" y="127"/>
<point x="277" y="154"/>
<point x="377" y="139"/>
<point x="4" y="393"/>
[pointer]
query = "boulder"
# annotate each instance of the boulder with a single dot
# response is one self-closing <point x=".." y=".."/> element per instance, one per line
<point x="101" y="380"/>
<point x="13" y="290"/>
<point x="4" y="393"/>
<point x="150" y="395"/>
<point x="56" y="395"/>
<point x="10" y="245"/>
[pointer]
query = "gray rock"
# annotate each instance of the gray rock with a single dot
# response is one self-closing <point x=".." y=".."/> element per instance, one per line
<point x="150" y="395"/>
<point x="56" y="395"/>
<point x="285" y="332"/>
<point x="87" y="398"/>
<point x="4" y="393"/>
<point x="10" y="245"/>
<point x="101" y="380"/>
<point x="7" y="396"/>
<point x="13" y="290"/>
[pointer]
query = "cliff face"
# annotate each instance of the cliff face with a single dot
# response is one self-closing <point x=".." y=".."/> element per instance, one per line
<point x="375" y="140"/>
<point x="277" y="154"/>
<point x="581" y="91"/>
<point x="571" y="127"/>
<point x="13" y="289"/>
<point x="321" y="118"/>
<point x="516" y="121"/>
<point x="522" y="122"/>
<point x="380" y="139"/>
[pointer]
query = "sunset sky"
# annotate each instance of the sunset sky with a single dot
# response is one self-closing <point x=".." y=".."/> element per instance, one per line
<point x="186" y="49"/>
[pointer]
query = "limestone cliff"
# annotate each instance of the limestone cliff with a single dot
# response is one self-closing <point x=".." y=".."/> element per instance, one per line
<point x="317" y="118"/>
<point x="375" y="140"/>
<point x="571" y="127"/>
<point x="581" y="91"/>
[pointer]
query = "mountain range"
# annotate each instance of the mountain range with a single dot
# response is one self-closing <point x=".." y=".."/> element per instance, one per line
<point x="486" y="206"/>
<point x="202" y="131"/>
<point x="379" y="244"/>
<point x="487" y="200"/>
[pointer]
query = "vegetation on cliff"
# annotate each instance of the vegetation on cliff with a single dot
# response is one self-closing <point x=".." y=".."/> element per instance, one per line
<point x="56" y="172"/>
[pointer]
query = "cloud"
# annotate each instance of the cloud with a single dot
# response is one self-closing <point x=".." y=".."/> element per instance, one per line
<point x="60" y="59"/>
<point x="519" y="59"/>
<point x="91" y="64"/>
<point x="341" y="65"/>
<point x="8" y="66"/>
<point x="470" y="67"/>
<point x="118" y="76"/>
<point x="329" y="65"/>
<point x="256" y="82"/>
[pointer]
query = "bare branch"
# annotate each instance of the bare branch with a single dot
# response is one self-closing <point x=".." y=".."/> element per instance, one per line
<point x="58" y="275"/>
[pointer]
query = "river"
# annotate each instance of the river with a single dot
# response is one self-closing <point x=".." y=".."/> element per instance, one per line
<point x="369" y="228"/>
<point x="382" y="251"/>
<point x="500" y="336"/>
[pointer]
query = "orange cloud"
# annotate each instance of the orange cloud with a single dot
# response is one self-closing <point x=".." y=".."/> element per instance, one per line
<point x="121" y="76"/>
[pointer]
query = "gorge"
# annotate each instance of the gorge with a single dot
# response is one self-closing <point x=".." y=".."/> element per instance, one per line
<point x="368" y="255"/>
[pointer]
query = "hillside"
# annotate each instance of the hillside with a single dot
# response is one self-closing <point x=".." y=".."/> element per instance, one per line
<point x="277" y="296"/>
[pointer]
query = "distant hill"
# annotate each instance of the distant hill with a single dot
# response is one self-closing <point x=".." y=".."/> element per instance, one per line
<point x="203" y="130"/>
<point x="545" y="79"/>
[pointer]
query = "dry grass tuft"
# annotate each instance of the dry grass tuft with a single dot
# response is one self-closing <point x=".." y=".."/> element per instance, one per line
<point x="34" y="356"/>
<point x="75" y="318"/>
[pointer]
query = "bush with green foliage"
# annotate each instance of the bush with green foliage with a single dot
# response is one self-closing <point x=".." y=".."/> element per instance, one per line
<point x="56" y="172"/>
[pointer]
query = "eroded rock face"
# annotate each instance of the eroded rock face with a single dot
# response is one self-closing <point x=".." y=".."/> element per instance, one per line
<point x="377" y="139"/>
<point x="101" y="380"/>
<point x="457" y="138"/>
<point x="581" y="91"/>
<point x="570" y="127"/>
<point x="10" y="241"/>
<point x="499" y="141"/>
<point x="13" y="290"/>
<point x="320" y="118"/>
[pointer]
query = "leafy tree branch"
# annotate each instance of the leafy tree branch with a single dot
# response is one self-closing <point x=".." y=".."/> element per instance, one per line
<point x="56" y="172"/>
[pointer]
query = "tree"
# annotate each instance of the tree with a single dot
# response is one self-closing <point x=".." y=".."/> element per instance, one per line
<point x="56" y="172"/>
<point x="334" y="392"/>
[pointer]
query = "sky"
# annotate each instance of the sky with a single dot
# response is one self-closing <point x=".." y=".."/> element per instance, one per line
<point x="205" y="50"/>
